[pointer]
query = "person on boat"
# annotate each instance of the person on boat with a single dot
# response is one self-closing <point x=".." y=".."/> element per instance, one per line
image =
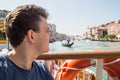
<point x="27" y="30"/>
<point x="68" y="40"/>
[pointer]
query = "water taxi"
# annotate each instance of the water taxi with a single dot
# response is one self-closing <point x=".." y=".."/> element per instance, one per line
<point x="2" y="34"/>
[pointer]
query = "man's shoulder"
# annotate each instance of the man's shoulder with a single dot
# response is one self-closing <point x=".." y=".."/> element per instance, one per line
<point x="3" y="56"/>
<point x="43" y="70"/>
<point x="3" y="61"/>
<point x="40" y="66"/>
<point x="38" y="63"/>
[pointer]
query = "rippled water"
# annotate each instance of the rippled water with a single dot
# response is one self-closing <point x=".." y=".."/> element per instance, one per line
<point x="83" y="45"/>
<point x="80" y="45"/>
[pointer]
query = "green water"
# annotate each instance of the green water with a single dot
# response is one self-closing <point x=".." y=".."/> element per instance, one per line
<point x="83" y="45"/>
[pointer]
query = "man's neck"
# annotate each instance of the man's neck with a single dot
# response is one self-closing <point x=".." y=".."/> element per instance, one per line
<point x="22" y="59"/>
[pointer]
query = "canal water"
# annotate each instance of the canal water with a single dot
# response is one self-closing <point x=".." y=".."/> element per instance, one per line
<point x="80" y="45"/>
<point x="85" y="45"/>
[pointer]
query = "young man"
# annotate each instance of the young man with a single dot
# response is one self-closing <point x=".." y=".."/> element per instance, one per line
<point x="27" y="30"/>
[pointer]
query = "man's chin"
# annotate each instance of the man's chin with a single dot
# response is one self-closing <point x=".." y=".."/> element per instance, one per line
<point x="45" y="51"/>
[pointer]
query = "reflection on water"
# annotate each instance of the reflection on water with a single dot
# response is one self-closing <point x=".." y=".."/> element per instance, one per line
<point x="83" y="45"/>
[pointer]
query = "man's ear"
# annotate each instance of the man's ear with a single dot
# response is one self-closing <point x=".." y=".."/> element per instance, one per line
<point x="31" y="36"/>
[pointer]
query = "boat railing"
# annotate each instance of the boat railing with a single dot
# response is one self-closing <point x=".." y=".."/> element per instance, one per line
<point x="98" y="55"/>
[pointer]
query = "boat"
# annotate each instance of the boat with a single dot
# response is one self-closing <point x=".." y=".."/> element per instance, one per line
<point x="67" y="43"/>
<point x="87" y="40"/>
<point x="3" y="41"/>
<point x="2" y="34"/>
<point x="52" y="40"/>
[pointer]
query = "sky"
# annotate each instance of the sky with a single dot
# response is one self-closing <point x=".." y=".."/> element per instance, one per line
<point x="73" y="17"/>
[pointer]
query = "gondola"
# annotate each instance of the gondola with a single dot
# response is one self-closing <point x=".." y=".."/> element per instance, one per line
<point x="67" y="43"/>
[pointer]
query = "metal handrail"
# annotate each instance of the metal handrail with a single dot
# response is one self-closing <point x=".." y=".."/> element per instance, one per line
<point x="89" y="54"/>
